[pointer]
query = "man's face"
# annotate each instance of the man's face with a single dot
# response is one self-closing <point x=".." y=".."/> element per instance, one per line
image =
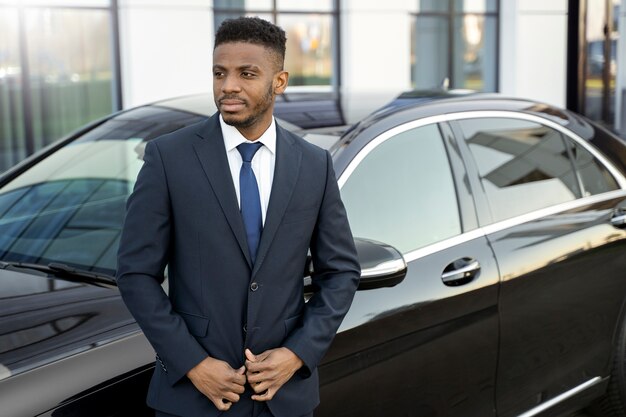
<point x="246" y="78"/>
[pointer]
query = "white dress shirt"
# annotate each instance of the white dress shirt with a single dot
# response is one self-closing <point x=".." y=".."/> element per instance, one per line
<point x="262" y="163"/>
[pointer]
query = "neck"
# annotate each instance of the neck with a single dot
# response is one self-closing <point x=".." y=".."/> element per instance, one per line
<point x="255" y="131"/>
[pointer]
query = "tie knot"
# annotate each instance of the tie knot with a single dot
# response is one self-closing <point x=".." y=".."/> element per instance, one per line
<point x="247" y="150"/>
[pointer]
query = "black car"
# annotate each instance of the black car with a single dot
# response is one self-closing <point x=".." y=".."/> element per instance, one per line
<point x="490" y="231"/>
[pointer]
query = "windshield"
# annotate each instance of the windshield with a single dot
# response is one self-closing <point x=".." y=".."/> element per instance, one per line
<point x="70" y="206"/>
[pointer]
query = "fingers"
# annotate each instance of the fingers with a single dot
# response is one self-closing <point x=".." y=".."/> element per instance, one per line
<point x="258" y="363"/>
<point x="256" y="377"/>
<point x="239" y="379"/>
<point x="262" y="368"/>
<point x="261" y="387"/>
<point x="236" y="388"/>
<point x="253" y="360"/>
<point x="258" y="366"/>
<point x="250" y="360"/>
<point x="231" y="397"/>
<point x="250" y="356"/>
<point x="270" y="371"/>
<point x="222" y="405"/>
<point x="265" y="396"/>
<point x="262" y="356"/>
<point x="220" y="383"/>
<point x="227" y="397"/>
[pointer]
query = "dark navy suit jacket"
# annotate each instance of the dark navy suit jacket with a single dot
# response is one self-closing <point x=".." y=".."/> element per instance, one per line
<point x="183" y="213"/>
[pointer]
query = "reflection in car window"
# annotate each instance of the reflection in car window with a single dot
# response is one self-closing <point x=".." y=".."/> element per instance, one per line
<point x="402" y="193"/>
<point x="523" y="166"/>
<point x="70" y="206"/>
<point x="594" y="176"/>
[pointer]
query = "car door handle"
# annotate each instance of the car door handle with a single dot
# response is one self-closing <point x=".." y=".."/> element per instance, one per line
<point x="460" y="272"/>
<point x="619" y="218"/>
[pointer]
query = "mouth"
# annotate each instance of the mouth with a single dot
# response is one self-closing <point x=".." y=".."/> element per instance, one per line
<point x="231" y="105"/>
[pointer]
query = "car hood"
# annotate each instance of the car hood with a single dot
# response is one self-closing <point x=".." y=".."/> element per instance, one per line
<point x="44" y="319"/>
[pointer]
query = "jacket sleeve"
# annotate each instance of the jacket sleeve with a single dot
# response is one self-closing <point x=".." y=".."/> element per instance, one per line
<point x="335" y="278"/>
<point x="142" y="257"/>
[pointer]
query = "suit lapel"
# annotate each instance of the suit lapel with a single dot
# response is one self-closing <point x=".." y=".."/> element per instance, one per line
<point x="286" y="168"/>
<point x="212" y="155"/>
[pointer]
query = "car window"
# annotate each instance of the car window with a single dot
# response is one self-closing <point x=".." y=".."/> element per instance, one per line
<point x="523" y="165"/>
<point x="402" y="193"/>
<point x="69" y="207"/>
<point x="594" y="176"/>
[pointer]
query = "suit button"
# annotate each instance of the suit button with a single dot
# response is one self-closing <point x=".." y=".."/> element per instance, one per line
<point x="245" y="328"/>
<point x="254" y="286"/>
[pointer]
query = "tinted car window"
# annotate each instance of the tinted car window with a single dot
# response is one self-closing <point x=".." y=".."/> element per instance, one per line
<point x="70" y="206"/>
<point x="523" y="166"/>
<point x="402" y="192"/>
<point x="593" y="174"/>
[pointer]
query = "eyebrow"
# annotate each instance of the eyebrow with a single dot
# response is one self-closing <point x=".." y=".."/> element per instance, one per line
<point x="242" y="67"/>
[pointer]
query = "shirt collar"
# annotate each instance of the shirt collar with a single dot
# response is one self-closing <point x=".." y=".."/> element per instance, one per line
<point x="233" y="138"/>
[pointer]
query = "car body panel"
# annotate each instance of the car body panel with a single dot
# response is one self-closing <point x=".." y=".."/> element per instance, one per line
<point x="421" y="344"/>
<point x="421" y="330"/>
<point x="64" y="381"/>
<point x="536" y="322"/>
<point x="76" y="316"/>
<point x="559" y="302"/>
<point x="60" y="337"/>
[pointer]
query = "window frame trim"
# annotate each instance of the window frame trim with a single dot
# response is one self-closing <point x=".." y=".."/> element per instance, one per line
<point x="487" y="229"/>
<point x="478" y="114"/>
<point x="567" y="133"/>
<point x="393" y="132"/>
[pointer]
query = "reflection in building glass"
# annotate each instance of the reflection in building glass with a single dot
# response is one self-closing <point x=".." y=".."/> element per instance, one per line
<point x="54" y="77"/>
<point x="457" y="46"/>
<point x="309" y="26"/>
<point x="309" y="54"/>
<point x="12" y="135"/>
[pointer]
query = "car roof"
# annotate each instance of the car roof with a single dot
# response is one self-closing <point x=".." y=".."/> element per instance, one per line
<point x="295" y="111"/>
<point x="320" y="114"/>
<point x="421" y="104"/>
<point x="320" y="110"/>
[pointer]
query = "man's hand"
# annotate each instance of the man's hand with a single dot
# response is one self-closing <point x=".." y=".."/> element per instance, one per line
<point x="218" y="382"/>
<point x="270" y="370"/>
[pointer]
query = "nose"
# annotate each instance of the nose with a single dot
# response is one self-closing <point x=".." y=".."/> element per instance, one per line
<point x="230" y="84"/>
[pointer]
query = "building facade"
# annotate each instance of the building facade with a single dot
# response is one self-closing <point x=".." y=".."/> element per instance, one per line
<point x="64" y="63"/>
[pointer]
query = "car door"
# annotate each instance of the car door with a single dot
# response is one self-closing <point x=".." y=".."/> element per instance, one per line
<point x="424" y="347"/>
<point x="551" y="197"/>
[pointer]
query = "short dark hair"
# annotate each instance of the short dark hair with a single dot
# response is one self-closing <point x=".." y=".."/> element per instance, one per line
<point x="253" y="30"/>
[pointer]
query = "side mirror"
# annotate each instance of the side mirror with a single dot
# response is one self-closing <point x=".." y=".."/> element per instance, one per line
<point x="381" y="266"/>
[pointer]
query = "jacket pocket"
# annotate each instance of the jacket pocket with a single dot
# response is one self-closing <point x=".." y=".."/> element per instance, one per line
<point x="291" y="323"/>
<point x="197" y="325"/>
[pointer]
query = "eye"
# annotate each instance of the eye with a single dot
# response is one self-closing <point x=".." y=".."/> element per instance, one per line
<point x="218" y="74"/>
<point x="247" y="74"/>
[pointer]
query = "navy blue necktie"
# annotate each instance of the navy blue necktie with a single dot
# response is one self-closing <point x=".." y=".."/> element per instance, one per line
<point x="250" y="198"/>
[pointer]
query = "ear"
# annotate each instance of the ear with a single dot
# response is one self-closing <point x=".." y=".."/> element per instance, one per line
<point x="281" y="79"/>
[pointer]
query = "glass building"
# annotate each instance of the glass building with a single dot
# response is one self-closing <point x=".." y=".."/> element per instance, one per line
<point x="454" y="45"/>
<point x="57" y="71"/>
<point x="64" y="63"/>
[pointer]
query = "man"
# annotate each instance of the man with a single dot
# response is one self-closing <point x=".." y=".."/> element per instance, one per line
<point x="232" y="206"/>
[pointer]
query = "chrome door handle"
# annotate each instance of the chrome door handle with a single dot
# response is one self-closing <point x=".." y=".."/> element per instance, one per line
<point x="461" y="275"/>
